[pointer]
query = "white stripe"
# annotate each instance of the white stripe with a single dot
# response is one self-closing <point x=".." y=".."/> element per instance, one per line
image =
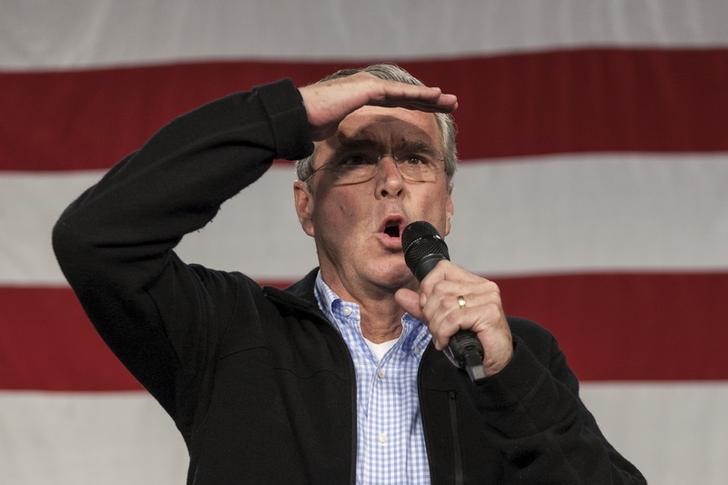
<point x="30" y="203"/>
<point x="673" y="432"/>
<point x="88" y="439"/>
<point x="80" y="33"/>
<point x="570" y="213"/>
<point x="581" y="212"/>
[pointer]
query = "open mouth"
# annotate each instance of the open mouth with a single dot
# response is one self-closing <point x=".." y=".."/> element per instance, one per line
<point x="392" y="230"/>
<point x="392" y="227"/>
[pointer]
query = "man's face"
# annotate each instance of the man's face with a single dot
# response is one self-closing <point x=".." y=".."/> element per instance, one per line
<point x="357" y="227"/>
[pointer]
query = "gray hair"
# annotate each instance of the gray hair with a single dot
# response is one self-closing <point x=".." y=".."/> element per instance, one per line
<point x="390" y="72"/>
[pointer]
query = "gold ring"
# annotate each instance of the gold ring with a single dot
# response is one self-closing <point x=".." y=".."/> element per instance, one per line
<point x="461" y="301"/>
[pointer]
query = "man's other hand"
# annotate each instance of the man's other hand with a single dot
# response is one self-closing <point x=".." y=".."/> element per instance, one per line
<point x="437" y="305"/>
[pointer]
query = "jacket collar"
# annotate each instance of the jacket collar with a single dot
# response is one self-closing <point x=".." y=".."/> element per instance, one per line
<point x="436" y="371"/>
<point x="304" y="289"/>
<point x="299" y="295"/>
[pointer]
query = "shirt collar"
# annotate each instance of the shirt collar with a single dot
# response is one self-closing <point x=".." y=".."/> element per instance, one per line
<point x="414" y="337"/>
<point x="325" y="296"/>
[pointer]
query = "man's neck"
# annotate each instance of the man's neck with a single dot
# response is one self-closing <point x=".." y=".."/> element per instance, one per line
<point x="380" y="323"/>
<point x="381" y="315"/>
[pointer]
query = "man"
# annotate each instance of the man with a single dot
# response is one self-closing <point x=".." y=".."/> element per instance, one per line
<point x="338" y="379"/>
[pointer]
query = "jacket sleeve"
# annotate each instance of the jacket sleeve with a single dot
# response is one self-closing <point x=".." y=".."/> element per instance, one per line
<point x="532" y="411"/>
<point x="115" y="242"/>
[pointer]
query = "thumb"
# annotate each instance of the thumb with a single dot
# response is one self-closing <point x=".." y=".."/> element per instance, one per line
<point x="410" y="301"/>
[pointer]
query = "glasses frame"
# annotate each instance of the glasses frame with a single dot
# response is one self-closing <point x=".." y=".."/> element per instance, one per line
<point x="380" y="156"/>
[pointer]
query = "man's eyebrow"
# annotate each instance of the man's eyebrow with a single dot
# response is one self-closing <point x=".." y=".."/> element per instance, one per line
<point x="359" y="143"/>
<point x="356" y="143"/>
<point x="415" y="146"/>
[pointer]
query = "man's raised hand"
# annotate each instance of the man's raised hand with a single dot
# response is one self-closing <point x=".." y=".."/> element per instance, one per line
<point x="328" y="102"/>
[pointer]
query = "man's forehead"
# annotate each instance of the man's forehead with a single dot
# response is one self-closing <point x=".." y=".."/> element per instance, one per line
<point x="380" y="125"/>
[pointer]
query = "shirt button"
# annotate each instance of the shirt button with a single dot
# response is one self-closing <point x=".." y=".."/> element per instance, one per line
<point x="380" y="373"/>
<point x="382" y="438"/>
<point x="346" y="311"/>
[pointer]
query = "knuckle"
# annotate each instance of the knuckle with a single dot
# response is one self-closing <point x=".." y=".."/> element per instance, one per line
<point x="452" y="320"/>
<point x="426" y="285"/>
<point x="443" y="308"/>
<point x="492" y="311"/>
<point x="492" y="287"/>
<point x="439" y="287"/>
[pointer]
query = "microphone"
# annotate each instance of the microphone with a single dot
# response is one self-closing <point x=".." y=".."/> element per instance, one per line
<point x="423" y="249"/>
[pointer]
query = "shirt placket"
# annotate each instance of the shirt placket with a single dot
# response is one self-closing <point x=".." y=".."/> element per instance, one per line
<point x="384" y="451"/>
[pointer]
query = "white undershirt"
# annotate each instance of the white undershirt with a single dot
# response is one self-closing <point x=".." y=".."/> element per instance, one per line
<point x="382" y="348"/>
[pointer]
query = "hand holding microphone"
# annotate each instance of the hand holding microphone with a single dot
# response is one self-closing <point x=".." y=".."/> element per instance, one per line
<point x="461" y="309"/>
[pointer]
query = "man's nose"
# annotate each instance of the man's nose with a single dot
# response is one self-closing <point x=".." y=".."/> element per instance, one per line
<point x="389" y="177"/>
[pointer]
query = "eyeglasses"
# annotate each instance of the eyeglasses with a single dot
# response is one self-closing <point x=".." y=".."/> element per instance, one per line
<point x="355" y="167"/>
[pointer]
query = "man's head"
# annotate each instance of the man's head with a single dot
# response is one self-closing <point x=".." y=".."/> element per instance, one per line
<point x="383" y="168"/>
<point x="445" y="123"/>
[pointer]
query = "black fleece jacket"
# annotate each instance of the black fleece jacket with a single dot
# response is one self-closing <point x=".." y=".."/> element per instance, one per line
<point x="260" y="385"/>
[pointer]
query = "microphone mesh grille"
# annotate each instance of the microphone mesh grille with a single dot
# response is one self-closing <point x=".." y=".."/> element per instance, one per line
<point x="420" y="239"/>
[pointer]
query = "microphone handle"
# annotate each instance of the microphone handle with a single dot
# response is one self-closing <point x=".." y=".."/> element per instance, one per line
<point x="467" y="353"/>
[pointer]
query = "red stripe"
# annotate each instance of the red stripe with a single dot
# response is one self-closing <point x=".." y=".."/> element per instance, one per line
<point x="631" y="326"/>
<point x="521" y="104"/>
<point x="47" y="342"/>
<point x="612" y="327"/>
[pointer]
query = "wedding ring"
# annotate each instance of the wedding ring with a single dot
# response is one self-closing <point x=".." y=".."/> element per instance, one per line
<point x="461" y="301"/>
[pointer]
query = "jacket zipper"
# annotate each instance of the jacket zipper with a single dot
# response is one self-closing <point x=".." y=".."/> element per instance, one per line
<point x="458" y="462"/>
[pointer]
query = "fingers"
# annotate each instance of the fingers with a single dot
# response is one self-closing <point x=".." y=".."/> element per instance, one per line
<point x="445" y="103"/>
<point x="422" y="98"/>
<point x="439" y="295"/>
<point x="444" y="324"/>
<point x="480" y="310"/>
<point x="328" y="102"/>
<point x="445" y="296"/>
<point x="445" y="316"/>
<point x="447" y="271"/>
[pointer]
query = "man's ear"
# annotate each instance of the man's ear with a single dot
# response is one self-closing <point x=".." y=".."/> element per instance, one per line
<point x="304" y="206"/>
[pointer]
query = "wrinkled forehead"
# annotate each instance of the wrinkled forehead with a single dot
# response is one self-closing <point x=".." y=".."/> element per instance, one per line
<point x="386" y="129"/>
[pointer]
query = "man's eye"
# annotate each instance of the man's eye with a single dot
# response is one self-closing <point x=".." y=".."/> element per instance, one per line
<point x="355" y="159"/>
<point x="416" y="159"/>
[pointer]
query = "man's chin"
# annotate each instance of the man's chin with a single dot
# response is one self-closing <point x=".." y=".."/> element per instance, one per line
<point x="398" y="276"/>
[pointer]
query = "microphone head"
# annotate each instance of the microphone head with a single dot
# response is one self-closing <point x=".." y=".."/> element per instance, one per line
<point x="423" y="247"/>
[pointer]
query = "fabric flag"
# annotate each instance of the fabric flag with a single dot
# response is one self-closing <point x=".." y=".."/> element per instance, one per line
<point x="593" y="188"/>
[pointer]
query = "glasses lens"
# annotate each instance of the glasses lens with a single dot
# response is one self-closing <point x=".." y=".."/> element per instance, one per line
<point x="355" y="167"/>
<point x="359" y="167"/>
<point x="418" y="167"/>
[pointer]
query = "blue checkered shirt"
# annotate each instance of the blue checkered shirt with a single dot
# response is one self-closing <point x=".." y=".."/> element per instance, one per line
<point x="390" y="440"/>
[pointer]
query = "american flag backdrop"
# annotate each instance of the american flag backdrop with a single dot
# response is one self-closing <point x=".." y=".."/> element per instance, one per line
<point x="593" y="188"/>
